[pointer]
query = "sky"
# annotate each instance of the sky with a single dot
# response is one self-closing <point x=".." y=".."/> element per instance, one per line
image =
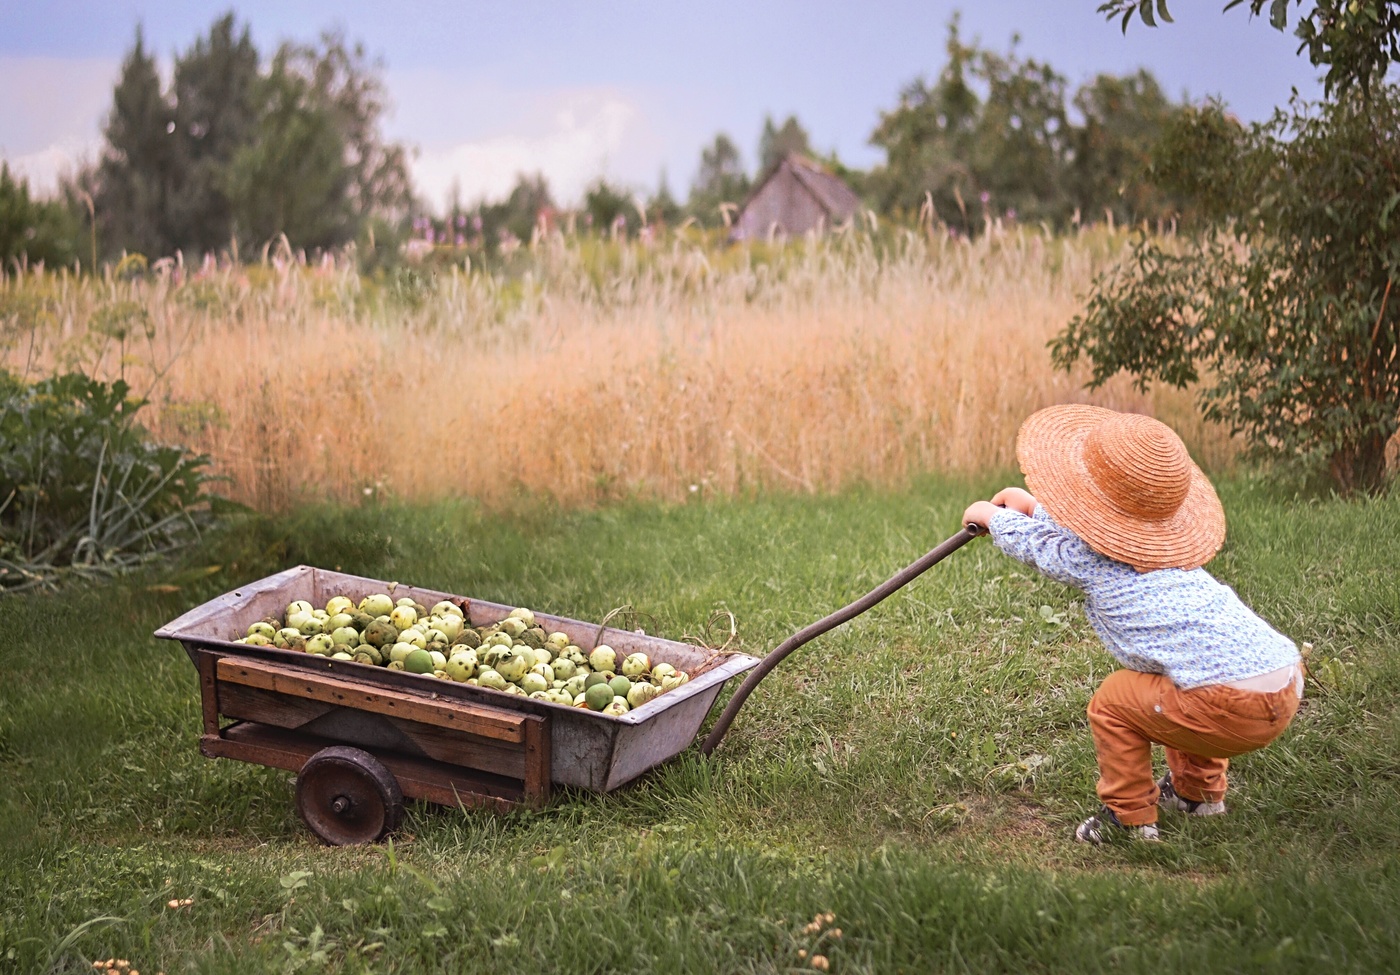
<point x="629" y="91"/>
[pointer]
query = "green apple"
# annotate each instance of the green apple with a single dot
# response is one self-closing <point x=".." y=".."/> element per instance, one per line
<point x="563" y="668"/>
<point x="513" y="668"/>
<point x="492" y="679"/>
<point x="403" y="617"/>
<point x="377" y="604"/>
<point x="460" y="668"/>
<point x="636" y="664"/>
<point x="598" y="696"/>
<point x="524" y="615"/>
<point x="514" y="626"/>
<point x="418" y="662"/>
<point x="381" y="633"/>
<point x="445" y="607"/>
<point x="346" y="634"/>
<point x="620" y="686"/>
<point x="544" y="670"/>
<point x="319" y="643"/>
<point x="261" y="628"/>
<point x="641" y="693"/>
<point x="338" y="620"/>
<point x="449" y="623"/>
<point x="532" y="682"/>
<point x="617" y="707"/>
<point x="557" y="642"/>
<point x="400" y="651"/>
<point x="603" y="657"/>
<point x="298" y="606"/>
<point x="414" y="637"/>
<point x="339" y="604"/>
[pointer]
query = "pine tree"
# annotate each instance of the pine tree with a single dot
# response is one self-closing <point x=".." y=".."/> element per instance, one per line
<point x="216" y="91"/>
<point x="134" y="176"/>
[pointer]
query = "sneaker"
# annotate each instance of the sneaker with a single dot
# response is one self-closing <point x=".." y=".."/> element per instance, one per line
<point x="1169" y="799"/>
<point x="1104" y="827"/>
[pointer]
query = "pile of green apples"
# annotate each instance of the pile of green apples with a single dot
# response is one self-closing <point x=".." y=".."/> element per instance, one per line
<point x="512" y="656"/>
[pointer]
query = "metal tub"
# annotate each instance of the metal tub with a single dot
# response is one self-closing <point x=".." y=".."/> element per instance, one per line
<point x="588" y="750"/>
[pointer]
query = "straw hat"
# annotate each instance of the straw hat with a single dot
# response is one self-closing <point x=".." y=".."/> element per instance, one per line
<point x="1124" y="483"/>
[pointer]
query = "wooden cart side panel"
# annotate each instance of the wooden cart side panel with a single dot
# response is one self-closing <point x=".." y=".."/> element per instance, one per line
<point x="372" y="731"/>
<point x="418" y="778"/>
<point x="507" y="726"/>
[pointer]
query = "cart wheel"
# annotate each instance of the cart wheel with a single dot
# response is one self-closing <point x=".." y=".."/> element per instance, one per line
<point x="346" y="796"/>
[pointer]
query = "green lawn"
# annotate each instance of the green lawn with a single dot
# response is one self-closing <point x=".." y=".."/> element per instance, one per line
<point x="916" y="773"/>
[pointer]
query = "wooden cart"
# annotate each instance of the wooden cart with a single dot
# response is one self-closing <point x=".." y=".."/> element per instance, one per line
<point x="363" y="738"/>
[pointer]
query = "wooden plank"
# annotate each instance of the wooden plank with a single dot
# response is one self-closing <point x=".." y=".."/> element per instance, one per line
<point x="471" y="718"/>
<point x="269" y="707"/>
<point x="537" y="761"/>
<point x="208" y="691"/>
<point x="418" y="778"/>
<point x="370" y="730"/>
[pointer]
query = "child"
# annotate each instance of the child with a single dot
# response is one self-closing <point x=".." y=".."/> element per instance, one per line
<point x="1118" y="509"/>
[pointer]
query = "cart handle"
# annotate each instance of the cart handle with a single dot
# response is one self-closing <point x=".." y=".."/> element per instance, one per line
<point x="898" y="581"/>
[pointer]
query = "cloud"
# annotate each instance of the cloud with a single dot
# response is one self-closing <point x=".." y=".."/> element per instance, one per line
<point x="571" y="137"/>
<point x="53" y="114"/>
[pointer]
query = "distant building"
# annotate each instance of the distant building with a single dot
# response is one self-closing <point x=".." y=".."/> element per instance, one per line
<point x="796" y="197"/>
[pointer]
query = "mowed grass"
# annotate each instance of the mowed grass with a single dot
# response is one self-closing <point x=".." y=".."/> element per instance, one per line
<point x="912" y="778"/>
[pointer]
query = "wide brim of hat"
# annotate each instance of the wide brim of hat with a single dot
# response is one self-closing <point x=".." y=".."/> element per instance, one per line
<point x="1050" y="449"/>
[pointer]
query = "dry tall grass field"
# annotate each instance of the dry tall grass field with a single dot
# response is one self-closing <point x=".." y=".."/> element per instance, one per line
<point x="601" y="371"/>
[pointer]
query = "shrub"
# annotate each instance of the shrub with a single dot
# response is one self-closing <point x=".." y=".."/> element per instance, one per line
<point x="82" y="490"/>
<point x="1284" y="315"/>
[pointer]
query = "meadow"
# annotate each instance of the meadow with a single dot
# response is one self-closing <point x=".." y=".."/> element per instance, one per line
<point x="767" y="432"/>
<point x="594" y="370"/>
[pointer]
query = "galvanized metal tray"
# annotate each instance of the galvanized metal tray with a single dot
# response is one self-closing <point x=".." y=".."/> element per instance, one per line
<point x="589" y="750"/>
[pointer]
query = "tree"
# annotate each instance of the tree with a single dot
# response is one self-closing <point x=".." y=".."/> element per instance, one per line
<point x="604" y="204"/>
<point x="990" y="134"/>
<point x="1110" y="159"/>
<point x="720" y="180"/>
<point x="293" y="179"/>
<point x="777" y="142"/>
<point x="347" y="83"/>
<point x="34" y="230"/>
<point x="662" y="208"/>
<point x="928" y="140"/>
<point x="1281" y="307"/>
<point x="1356" y="40"/>
<point x="134" y="179"/>
<point x="217" y="94"/>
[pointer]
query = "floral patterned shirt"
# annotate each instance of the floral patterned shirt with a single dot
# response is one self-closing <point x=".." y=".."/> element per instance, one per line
<point x="1181" y="623"/>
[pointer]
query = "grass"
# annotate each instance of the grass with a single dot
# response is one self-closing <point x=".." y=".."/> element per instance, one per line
<point x="897" y="797"/>
<point x="597" y="372"/>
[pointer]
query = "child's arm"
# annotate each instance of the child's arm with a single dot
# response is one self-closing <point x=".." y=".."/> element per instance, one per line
<point x="980" y="512"/>
<point x="1015" y="527"/>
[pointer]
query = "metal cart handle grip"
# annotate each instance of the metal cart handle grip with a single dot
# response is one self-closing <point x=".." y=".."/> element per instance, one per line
<point x="898" y="581"/>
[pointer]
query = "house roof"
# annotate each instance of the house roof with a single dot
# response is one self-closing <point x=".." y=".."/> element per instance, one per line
<point x="772" y="205"/>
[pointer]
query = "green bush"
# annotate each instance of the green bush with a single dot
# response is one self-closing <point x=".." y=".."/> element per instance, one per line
<point x="82" y="490"/>
<point x="1283" y="313"/>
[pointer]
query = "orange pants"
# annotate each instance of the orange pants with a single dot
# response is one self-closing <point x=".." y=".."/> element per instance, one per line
<point x="1201" y="729"/>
